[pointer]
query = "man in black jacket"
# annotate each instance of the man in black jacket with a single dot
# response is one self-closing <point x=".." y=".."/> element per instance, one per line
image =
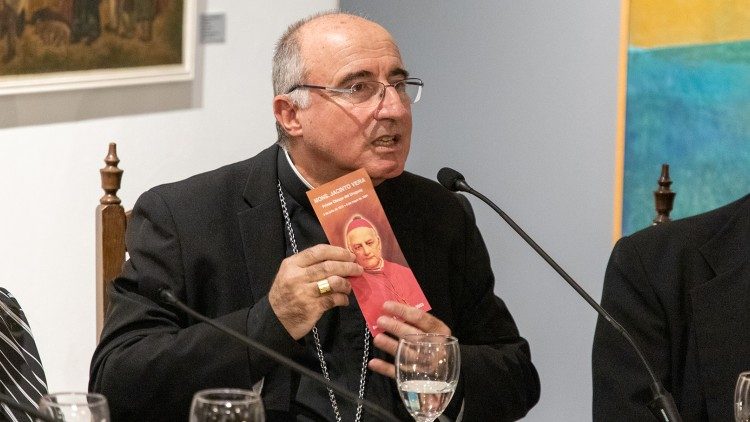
<point x="242" y="245"/>
<point x="682" y="289"/>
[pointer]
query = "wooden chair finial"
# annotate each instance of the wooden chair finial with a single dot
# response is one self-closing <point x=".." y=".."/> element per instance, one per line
<point x="111" y="177"/>
<point x="111" y="223"/>
<point x="663" y="196"/>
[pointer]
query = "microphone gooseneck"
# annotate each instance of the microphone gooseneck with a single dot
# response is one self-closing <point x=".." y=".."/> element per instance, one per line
<point x="167" y="296"/>
<point x="662" y="406"/>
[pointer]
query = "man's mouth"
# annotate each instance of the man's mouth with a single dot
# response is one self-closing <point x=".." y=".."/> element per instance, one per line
<point x="386" y="141"/>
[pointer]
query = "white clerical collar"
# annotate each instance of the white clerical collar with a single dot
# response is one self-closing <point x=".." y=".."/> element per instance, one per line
<point x="294" y="168"/>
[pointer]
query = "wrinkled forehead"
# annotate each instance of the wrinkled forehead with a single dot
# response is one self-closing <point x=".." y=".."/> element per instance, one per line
<point x="333" y="46"/>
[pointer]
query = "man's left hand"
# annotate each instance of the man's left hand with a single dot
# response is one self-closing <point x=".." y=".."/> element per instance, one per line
<point x="399" y="320"/>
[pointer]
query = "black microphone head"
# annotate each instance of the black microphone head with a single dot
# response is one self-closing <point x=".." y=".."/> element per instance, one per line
<point x="451" y="179"/>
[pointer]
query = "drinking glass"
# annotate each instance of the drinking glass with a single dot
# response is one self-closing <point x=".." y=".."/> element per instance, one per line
<point x="427" y="369"/>
<point x="742" y="398"/>
<point x="227" y="405"/>
<point x="75" y="407"/>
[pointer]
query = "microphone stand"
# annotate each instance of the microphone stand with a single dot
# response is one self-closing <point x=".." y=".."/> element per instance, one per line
<point x="167" y="296"/>
<point x="662" y="405"/>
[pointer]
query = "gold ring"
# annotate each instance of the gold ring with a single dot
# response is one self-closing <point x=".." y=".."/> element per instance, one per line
<point x="324" y="287"/>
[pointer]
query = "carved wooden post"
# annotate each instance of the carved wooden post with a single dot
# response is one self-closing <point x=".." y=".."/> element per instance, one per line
<point x="663" y="197"/>
<point x="110" y="234"/>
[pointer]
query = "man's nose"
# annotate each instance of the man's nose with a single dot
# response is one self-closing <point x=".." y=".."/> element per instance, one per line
<point x="392" y="105"/>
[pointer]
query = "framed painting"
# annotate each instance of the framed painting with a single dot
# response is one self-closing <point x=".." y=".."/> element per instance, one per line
<point x="684" y="99"/>
<point x="48" y="45"/>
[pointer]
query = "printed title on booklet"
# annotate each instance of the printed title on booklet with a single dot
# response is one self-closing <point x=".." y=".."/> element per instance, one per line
<point x="340" y="189"/>
<point x="340" y="193"/>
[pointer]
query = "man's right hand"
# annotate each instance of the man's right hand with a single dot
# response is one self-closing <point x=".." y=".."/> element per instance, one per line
<point x="294" y="295"/>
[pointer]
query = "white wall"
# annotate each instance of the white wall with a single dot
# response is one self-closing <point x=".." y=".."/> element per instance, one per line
<point x="520" y="96"/>
<point x="52" y="145"/>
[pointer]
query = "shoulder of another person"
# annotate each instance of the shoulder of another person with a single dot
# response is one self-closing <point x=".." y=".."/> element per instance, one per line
<point x="686" y="232"/>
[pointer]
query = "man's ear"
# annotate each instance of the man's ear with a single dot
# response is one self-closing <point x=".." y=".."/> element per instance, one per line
<point x="286" y="115"/>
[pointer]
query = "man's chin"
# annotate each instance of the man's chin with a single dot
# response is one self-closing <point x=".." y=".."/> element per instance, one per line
<point x="371" y="266"/>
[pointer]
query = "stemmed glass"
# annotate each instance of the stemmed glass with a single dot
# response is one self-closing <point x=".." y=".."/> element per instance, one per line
<point x="427" y="369"/>
<point x="75" y="407"/>
<point x="742" y="398"/>
<point x="227" y="405"/>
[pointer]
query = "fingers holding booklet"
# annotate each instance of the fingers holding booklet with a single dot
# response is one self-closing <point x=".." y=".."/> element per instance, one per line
<point x="310" y="283"/>
<point x="397" y="321"/>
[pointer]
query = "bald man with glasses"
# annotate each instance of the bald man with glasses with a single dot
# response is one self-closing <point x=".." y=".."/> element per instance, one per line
<point x="242" y="245"/>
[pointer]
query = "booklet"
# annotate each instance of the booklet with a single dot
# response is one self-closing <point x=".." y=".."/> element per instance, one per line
<point x="353" y="218"/>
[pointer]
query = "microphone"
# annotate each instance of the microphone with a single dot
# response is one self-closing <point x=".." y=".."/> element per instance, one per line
<point x="29" y="410"/>
<point x="662" y="405"/>
<point x="165" y="295"/>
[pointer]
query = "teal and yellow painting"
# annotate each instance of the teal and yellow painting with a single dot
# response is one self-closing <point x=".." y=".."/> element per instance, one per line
<point x="686" y="103"/>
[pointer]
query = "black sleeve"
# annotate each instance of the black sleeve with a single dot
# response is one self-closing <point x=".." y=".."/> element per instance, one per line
<point x="498" y="380"/>
<point x="151" y="358"/>
<point x="620" y="381"/>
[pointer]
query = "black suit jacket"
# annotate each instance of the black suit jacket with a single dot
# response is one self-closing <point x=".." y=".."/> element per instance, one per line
<point x="683" y="290"/>
<point x="217" y="240"/>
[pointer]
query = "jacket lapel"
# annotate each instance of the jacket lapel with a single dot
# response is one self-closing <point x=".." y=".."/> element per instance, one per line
<point x="721" y="311"/>
<point x="261" y="224"/>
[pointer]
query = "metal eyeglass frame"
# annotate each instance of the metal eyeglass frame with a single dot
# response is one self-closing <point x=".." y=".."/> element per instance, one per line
<point x="350" y="91"/>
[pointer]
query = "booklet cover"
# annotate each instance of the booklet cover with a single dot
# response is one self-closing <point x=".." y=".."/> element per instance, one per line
<point x="353" y="218"/>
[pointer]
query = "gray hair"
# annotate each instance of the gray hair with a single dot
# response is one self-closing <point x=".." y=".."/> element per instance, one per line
<point x="289" y="68"/>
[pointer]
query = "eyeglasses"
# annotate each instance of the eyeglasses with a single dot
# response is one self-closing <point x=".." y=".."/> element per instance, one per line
<point x="370" y="93"/>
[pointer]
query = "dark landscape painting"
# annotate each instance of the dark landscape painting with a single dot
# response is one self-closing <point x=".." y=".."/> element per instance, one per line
<point x="45" y="37"/>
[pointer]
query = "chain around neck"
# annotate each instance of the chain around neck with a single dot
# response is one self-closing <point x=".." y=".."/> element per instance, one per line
<point x="316" y="336"/>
